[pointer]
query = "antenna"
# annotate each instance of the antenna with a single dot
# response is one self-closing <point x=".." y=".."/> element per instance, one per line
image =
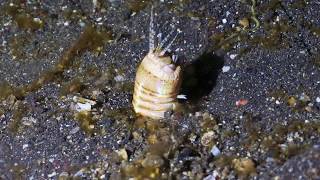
<point x="170" y="43"/>
<point x="151" y="31"/>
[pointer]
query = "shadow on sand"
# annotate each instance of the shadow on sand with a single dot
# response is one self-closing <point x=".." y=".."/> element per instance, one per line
<point x="200" y="76"/>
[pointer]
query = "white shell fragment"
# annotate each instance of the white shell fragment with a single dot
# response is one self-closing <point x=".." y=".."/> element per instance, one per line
<point x="82" y="104"/>
<point x="182" y="96"/>
<point x="215" y="151"/>
<point x="225" y="69"/>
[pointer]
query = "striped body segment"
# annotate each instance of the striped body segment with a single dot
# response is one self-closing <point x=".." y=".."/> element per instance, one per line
<point x="157" y="85"/>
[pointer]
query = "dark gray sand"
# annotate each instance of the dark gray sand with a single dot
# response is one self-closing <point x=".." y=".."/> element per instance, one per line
<point x="251" y="77"/>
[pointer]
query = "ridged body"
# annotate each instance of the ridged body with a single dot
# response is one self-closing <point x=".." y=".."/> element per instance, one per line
<point x="156" y="87"/>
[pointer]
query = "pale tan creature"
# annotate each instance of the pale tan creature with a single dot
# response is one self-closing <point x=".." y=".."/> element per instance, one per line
<point x="158" y="80"/>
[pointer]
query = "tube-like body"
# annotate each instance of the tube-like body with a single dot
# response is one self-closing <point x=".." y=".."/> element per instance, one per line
<point x="157" y="85"/>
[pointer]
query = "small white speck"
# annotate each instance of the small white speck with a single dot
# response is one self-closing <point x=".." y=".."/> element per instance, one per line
<point x="82" y="104"/>
<point x="38" y="20"/>
<point x="215" y="151"/>
<point x="318" y="99"/>
<point x="83" y="107"/>
<point x="302" y="52"/>
<point x="7" y="23"/>
<point x="82" y="24"/>
<point x="66" y="23"/>
<point x="74" y="130"/>
<point x="182" y="96"/>
<point x="277" y="102"/>
<point x="4" y="42"/>
<point x="51" y="160"/>
<point x="99" y="19"/>
<point x="232" y="56"/>
<point x="289" y="138"/>
<point x="95" y="3"/>
<point x="119" y="78"/>
<point x="225" y="69"/>
<point x="52" y="174"/>
<point x="25" y="146"/>
<point x="212" y="176"/>
<point x="224" y="21"/>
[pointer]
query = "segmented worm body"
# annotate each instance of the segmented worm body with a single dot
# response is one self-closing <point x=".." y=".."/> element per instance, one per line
<point x="157" y="81"/>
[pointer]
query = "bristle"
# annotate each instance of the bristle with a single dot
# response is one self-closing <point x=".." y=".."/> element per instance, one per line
<point x="170" y="43"/>
<point x="159" y="36"/>
<point x="151" y="31"/>
<point x="175" y="58"/>
<point x="165" y="40"/>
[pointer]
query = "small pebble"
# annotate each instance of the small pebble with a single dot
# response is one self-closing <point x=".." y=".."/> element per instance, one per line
<point x="225" y="69"/>
<point x="224" y="21"/>
<point x="198" y="114"/>
<point x="38" y="20"/>
<point x="25" y="146"/>
<point x="119" y="78"/>
<point x="83" y="107"/>
<point x="303" y="97"/>
<point x="82" y="104"/>
<point x="244" y="22"/>
<point x="181" y="96"/>
<point x="302" y="52"/>
<point x="51" y="160"/>
<point x="213" y="176"/>
<point x="207" y="138"/>
<point x="52" y="174"/>
<point x="63" y="175"/>
<point x="79" y="173"/>
<point x="244" y="166"/>
<point x="74" y="130"/>
<point x="215" y="151"/>
<point x="233" y="56"/>
<point x="152" y="161"/>
<point x="241" y="102"/>
<point x="99" y="19"/>
<point x="82" y="24"/>
<point x="122" y="153"/>
<point x="209" y="177"/>
<point x="292" y="101"/>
